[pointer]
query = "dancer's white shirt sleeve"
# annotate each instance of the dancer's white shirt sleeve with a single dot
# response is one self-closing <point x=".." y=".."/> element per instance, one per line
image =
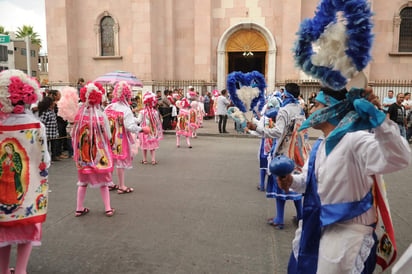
<point x="279" y="128"/>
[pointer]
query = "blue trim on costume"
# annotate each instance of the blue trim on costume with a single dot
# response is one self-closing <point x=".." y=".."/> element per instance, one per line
<point x="309" y="245"/>
<point x="316" y="215"/>
<point x="263" y="158"/>
<point x="346" y="211"/>
<point x="359" y="26"/>
<point x="326" y="99"/>
<point x="272" y="188"/>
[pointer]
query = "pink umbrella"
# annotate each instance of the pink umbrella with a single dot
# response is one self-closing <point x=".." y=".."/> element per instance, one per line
<point x="114" y="77"/>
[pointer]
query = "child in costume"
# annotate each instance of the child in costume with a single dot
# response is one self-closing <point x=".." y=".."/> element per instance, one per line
<point x="183" y="123"/>
<point x="122" y="124"/>
<point x="91" y="143"/>
<point x="195" y="113"/>
<point x="149" y="117"/>
<point x="24" y="160"/>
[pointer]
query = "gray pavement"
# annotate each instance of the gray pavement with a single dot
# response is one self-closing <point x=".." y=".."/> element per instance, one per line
<point x="197" y="211"/>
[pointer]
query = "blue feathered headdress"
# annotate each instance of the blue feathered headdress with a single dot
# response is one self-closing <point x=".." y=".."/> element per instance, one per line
<point x="351" y="40"/>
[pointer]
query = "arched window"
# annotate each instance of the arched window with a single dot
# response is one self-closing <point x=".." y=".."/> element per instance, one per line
<point x="107" y="36"/>
<point x="405" y="30"/>
<point x="106" y="28"/>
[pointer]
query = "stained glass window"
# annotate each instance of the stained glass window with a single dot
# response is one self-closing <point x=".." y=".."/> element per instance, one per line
<point x="405" y="33"/>
<point x="107" y="36"/>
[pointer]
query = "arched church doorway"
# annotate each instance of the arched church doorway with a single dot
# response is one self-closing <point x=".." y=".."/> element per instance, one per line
<point x="246" y="38"/>
<point x="246" y="51"/>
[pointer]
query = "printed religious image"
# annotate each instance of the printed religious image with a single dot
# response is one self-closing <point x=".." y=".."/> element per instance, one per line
<point x="14" y="175"/>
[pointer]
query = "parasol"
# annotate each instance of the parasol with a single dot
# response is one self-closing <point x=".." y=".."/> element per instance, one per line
<point x="114" y="77"/>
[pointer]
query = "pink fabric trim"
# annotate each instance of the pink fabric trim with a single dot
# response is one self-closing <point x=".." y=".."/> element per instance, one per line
<point x="95" y="179"/>
<point x="125" y="163"/>
<point x="21" y="234"/>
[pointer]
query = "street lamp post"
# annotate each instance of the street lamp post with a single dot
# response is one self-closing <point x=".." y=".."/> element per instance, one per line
<point x="28" y="55"/>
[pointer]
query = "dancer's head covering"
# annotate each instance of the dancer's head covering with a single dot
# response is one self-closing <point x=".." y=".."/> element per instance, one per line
<point x="17" y="91"/>
<point x="192" y="95"/>
<point x="272" y="106"/>
<point x="348" y="111"/>
<point x="122" y="92"/>
<point x="344" y="38"/>
<point x="68" y="105"/>
<point x="273" y="102"/>
<point x="184" y="103"/>
<point x="91" y="94"/>
<point x="291" y="94"/>
<point x="149" y="99"/>
<point x="342" y="32"/>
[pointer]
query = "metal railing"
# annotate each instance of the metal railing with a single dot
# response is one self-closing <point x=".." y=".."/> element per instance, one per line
<point x="198" y="85"/>
<point x="306" y="87"/>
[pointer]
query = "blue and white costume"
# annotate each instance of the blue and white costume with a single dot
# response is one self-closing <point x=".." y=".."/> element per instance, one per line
<point x="336" y="234"/>
<point x="289" y="115"/>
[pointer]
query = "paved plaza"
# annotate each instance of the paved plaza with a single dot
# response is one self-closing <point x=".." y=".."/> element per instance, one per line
<point x="197" y="211"/>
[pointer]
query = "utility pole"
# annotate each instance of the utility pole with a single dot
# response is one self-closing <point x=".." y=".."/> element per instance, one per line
<point x="28" y="54"/>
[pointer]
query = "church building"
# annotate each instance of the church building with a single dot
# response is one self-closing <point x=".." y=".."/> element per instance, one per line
<point x="202" y="41"/>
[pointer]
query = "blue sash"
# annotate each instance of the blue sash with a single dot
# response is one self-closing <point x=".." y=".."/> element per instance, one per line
<point x="315" y="216"/>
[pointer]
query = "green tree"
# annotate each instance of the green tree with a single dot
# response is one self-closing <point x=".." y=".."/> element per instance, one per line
<point x="3" y="31"/>
<point x="28" y="31"/>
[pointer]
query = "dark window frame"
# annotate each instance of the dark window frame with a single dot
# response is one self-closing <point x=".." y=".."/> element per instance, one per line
<point x="405" y="30"/>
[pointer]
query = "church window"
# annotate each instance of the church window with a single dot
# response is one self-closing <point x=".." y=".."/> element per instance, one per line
<point x="405" y="30"/>
<point x="106" y="29"/>
<point x="107" y="36"/>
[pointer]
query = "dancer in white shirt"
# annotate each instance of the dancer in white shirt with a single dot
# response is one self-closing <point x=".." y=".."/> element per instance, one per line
<point x="337" y="231"/>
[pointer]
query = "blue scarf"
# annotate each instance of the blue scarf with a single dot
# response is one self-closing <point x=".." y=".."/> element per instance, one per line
<point x="352" y="114"/>
<point x="288" y="99"/>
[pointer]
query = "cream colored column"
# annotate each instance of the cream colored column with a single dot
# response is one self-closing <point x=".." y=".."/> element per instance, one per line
<point x="221" y="70"/>
<point x="271" y="73"/>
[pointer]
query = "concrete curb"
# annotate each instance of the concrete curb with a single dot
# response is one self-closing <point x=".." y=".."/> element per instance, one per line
<point x="226" y="135"/>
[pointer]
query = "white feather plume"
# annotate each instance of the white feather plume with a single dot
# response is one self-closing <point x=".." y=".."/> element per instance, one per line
<point x="333" y="43"/>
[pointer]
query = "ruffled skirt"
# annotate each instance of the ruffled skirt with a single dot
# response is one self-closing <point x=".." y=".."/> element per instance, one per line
<point x="95" y="180"/>
<point x="21" y="234"/>
<point x="273" y="191"/>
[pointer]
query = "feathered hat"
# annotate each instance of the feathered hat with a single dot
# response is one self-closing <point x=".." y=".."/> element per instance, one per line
<point x="342" y="31"/>
<point x="17" y="91"/>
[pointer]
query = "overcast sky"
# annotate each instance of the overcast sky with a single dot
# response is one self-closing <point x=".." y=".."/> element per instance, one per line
<point x="16" y="13"/>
